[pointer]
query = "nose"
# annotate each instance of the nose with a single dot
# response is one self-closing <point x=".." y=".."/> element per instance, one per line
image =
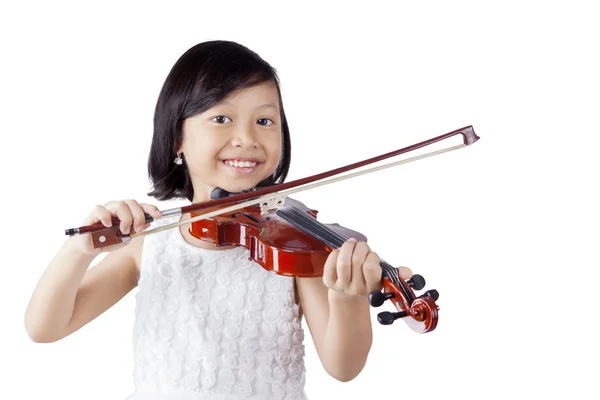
<point x="245" y="136"/>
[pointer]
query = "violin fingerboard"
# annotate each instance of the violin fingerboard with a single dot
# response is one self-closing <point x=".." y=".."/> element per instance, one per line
<point x="310" y="225"/>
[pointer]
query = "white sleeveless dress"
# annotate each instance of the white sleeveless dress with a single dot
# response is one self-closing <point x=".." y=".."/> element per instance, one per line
<point x="213" y="325"/>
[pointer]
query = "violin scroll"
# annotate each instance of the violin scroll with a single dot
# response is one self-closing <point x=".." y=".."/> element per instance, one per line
<point x="419" y="312"/>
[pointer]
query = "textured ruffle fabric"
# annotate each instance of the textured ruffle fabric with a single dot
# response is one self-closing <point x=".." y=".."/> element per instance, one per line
<point x="139" y="395"/>
<point x="213" y="325"/>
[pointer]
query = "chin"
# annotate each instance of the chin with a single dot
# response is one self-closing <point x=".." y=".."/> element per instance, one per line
<point x="239" y="187"/>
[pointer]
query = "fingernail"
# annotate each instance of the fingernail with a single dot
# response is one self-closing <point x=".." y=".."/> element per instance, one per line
<point x="352" y="239"/>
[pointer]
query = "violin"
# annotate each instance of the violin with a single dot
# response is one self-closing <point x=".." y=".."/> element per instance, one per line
<point x="285" y="237"/>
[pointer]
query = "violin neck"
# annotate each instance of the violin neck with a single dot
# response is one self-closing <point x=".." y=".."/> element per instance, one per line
<point x="310" y="225"/>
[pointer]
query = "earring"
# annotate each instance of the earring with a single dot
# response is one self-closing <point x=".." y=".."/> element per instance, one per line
<point x="178" y="160"/>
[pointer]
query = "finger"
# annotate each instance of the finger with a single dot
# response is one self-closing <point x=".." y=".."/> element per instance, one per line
<point x="99" y="213"/>
<point x="152" y="210"/>
<point x="357" y="281"/>
<point x="372" y="271"/>
<point x="121" y="210"/>
<point x="329" y="270"/>
<point x="344" y="264"/>
<point x="139" y="217"/>
<point x="405" y="273"/>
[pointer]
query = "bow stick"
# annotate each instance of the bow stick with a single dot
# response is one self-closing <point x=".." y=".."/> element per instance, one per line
<point x="268" y="195"/>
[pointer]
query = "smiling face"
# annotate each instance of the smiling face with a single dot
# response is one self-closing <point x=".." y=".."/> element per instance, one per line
<point x="235" y="144"/>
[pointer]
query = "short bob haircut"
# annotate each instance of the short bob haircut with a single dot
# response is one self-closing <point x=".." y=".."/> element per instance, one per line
<point x="202" y="77"/>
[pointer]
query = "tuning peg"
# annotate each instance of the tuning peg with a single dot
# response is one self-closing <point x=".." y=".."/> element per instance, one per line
<point x="417" y="282"/>
<point x="388" y="318"/>
<point x="432" y="293"/>
<point x="377" y="298"/>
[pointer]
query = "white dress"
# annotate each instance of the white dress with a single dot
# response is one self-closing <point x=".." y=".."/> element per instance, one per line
<point x="213" y="325"/>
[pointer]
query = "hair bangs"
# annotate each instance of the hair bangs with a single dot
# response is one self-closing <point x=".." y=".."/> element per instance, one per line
<point x="220" y="77"/>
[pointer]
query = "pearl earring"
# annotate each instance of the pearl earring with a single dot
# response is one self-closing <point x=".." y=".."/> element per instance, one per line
<point x="178" y="160"/>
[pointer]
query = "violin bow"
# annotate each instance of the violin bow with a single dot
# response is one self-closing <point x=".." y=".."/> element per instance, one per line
<point x="269" y="197"/>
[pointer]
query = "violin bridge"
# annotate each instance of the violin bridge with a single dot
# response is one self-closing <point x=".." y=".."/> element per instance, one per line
<point x="273" y="204"/>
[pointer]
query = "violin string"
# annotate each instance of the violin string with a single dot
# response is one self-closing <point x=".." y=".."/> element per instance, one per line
<point x="335" y="239"/>
<point x="332" y="237"/>
<point x="388" y="271"/>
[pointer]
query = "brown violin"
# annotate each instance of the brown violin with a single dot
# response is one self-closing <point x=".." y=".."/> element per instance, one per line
<point x="285" y="237"/>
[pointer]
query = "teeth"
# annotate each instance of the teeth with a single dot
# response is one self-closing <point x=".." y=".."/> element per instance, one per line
<point x="242" y="164"/>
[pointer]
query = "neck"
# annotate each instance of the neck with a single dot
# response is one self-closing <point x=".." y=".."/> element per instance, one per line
<point x="202" y="195"/>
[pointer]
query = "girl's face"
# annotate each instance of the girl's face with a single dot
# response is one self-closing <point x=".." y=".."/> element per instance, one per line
<point x="235" y="144"/>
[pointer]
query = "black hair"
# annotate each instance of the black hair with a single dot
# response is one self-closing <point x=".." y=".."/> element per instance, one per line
<point x="202" y="77"/>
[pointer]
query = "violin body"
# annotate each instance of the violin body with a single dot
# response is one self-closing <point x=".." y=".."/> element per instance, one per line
<point x="273" y="243"/>
<point x="288" y="240"/>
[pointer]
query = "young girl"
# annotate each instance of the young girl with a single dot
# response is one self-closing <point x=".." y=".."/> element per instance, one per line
<point x="210" y="323"/>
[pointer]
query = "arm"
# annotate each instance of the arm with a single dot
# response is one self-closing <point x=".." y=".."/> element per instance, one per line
<point x="340" y="325"/>
<point x="337" y="309"/>
<point x="69" y="295"/>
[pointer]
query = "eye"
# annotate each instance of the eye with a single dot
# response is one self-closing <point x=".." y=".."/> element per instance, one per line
<point x="221" y="119"/>
<point x="265" y="121"/>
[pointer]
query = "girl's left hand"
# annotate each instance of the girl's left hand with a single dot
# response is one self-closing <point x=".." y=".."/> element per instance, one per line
<point x="354" y="269"/>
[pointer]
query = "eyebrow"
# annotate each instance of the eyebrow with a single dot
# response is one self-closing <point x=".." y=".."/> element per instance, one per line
<point x="266" y="105"/>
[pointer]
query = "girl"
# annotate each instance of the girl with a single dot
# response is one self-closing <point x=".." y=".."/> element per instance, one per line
<point x="210" y="323"/>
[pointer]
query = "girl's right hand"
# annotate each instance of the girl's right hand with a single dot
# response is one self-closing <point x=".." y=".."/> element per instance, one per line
<point x="129" y="212"/>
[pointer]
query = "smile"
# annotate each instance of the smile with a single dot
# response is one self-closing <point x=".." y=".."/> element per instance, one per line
<point x="241" y="166"/>
<point x="240" y="163"/>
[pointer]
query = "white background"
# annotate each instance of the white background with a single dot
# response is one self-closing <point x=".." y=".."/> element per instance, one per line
<point x="506" y="230"/>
